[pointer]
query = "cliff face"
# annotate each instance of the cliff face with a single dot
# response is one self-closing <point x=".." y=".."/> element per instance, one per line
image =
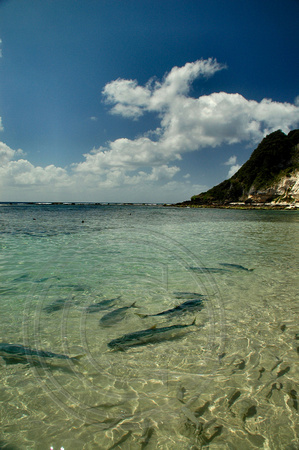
<point x="285" y="191"/>
<point x="270" y="176"/>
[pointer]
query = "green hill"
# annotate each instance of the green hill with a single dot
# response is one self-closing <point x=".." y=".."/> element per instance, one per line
<point x="262" y="177"/>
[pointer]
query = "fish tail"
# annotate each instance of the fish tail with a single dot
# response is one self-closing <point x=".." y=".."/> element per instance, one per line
<point x="76" y="359"/>
<point x="141" y="315"/>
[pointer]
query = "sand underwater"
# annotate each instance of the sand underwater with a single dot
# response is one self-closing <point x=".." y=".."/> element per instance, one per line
<point x="148" y="327"/>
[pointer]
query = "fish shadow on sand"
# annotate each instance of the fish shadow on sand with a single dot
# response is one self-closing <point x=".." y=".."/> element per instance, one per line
<point x="18" y="354"/>
<point x="115" y="316"/>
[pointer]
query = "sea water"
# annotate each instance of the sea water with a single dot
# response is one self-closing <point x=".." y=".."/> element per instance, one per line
<point x="229" y="380"/>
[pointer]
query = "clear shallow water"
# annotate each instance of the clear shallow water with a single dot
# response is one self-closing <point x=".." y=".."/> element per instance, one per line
<point x="229" y="381"/>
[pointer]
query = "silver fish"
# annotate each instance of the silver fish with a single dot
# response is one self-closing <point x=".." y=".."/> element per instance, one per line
<point x="236" y="266"/>
<point x="17" y="352"/>
<point x="208" y="269"/>
<point x="187" y="295"/>
<point x="148" y="336"/>
<point x="56" y="305"/>
<point x="196" y="303"/>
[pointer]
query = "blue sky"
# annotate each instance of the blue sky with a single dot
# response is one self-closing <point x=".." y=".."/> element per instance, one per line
<point x="140" y="100"/>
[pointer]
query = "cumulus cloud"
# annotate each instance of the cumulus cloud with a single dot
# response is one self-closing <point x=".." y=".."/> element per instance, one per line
<point x="129" y="98"/>
<point x="232" y="161"/>
<point x="233" y="170"/>
<point x="186" y="124"/>
<point x="16" y="171"/>
<point x="132" y="100"/>
<point x="7" y="154"/>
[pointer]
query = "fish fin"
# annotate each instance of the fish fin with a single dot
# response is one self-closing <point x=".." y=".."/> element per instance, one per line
<point x="133" y="305"/>
<point x="153" y="327"/>
<point x="15" y="360"/>
<point x="76" y="359"/>
<point x="194" y="322"/>
<point x="119" y="348"/>
<point x="141" y="315"/>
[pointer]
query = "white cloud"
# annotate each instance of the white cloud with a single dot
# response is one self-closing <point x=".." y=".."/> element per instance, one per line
<point x="136" y="167"/>
<point x="233" y="170"/>
<point x="232" y="160"/>
<point x="1" y="126"/>
<point x="129" y="98"/>
<point x="21" y="173"/>
<point x="7" y="154"/>
<point x="187" y="124"/>
<point x="132" y="100"/>
<point x="42" y="183"/>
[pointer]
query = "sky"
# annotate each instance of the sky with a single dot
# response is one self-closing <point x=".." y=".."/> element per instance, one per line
<point x="140" y="100"/>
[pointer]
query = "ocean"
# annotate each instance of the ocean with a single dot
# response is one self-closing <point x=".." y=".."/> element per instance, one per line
<point x="203" y="304"/>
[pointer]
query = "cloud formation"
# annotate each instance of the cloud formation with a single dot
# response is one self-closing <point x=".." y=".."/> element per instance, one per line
<point x="20" y="172"/>
<point x="186" y="124"/>
<point x="131" y="100"/>
<point x="232" y="161"/>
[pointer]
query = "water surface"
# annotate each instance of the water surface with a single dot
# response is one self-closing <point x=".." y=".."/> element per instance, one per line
<point x="227" y="382"/>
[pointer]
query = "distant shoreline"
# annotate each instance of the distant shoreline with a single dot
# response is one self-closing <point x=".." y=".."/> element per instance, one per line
<point x="186" y="204"/>
<point x="79" y="204"/>
<point x="241" y="206"/>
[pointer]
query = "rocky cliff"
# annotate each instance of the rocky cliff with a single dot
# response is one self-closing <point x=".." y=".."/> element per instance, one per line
<point x="269" y="178"/>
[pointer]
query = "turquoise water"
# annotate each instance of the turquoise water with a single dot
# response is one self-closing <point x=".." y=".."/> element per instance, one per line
<point x="229" y="380"/>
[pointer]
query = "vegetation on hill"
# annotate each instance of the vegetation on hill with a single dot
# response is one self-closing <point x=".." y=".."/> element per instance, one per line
<point x="276" y="156"/>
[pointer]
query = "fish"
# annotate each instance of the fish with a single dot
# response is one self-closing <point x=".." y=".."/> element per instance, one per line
<point x="145" y="438"/>
<point x="200" y="411"/>
<point x="249" y="413"/>
<point x="42" y="280"/>
<point x="56" y="305"/>
<point x="293" y="396"/>
<point x="275" y="386"/>
<point x="116" y="315"/>
<point x="233" y="398"/>
<point x="17" y="352"/>
<point x="150" y="335"/>
<point x="180" y="394"/>
<point x="283" y="372"/>
<point x="236" y="266"/>
<point x="23" y="277"/>
<point x="208" y="269"/>
<point x="261" y="371"/>
<point x="104" y="304"/>
<point x="196" y="303"/>
<point x="74" y="287"/>
<point x="5" y="445"/>
<point x="121" y="440"/>
<point x="187" y="295"/>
